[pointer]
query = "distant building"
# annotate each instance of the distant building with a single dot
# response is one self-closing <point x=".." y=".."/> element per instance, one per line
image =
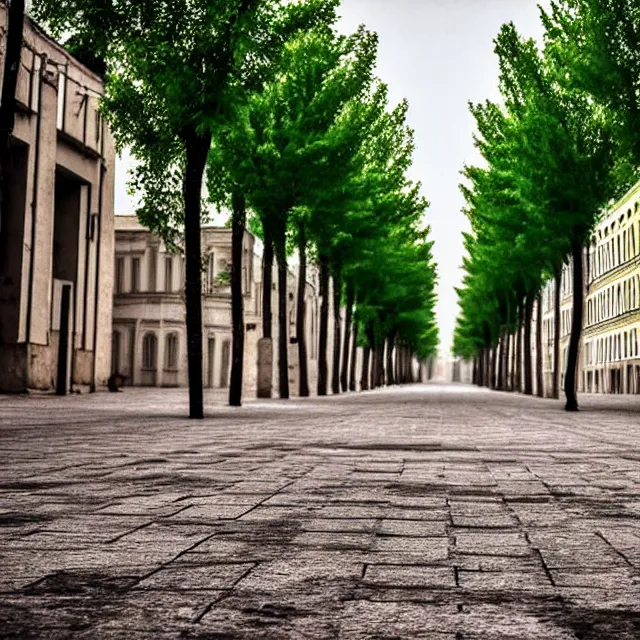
<point x="56" y="239"/>
<point x="149" y="322"/>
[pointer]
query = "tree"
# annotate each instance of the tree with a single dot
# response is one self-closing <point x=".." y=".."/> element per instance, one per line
<point x="560" y="165"/>
<point x="300" y="125"/>
<point x="173" y="75"/>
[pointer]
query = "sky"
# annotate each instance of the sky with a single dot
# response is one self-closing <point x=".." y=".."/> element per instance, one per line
<point x="439" y="55"/>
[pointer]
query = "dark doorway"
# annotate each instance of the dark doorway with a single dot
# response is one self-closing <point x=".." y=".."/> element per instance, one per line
<point x="66" y="230"/>
<point x="12" y="244"/>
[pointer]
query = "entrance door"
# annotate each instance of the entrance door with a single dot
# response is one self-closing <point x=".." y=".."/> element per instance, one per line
<point x="211" y="352"/>
<point x="63" y="344"/>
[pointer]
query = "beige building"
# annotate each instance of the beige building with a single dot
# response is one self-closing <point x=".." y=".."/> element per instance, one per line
<point x="609" y="360"/>
<point x="611" y="339"/>
<point x="56" y="240"/>
<point x="149" y="324"/>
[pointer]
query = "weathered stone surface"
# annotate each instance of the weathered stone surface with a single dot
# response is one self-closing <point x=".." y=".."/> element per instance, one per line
<point x="393" y="514"/>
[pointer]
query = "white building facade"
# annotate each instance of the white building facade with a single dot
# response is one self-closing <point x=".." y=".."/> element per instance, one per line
<point x="149" y="322"/>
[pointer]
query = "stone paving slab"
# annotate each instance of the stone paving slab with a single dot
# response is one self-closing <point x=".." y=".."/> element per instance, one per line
<point x="444" y="513"/>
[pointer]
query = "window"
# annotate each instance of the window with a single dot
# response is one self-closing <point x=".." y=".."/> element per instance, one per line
<point x="149" y="351"/>
<point x="171" y="352"/>
<point x="119" y="275"/>
<point x="153" y="267"/>
<point x="135" y="274"/>
<point x="168" y="273"/>
<point x="211" y="272"/>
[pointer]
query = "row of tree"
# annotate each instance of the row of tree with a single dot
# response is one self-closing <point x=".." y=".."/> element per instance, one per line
<point x="284" y="122"/>
<point x="562" y="144"/>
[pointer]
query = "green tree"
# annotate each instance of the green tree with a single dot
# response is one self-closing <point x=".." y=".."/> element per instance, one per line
<point x="299" y="126"/>
<point x="173" y="72"/>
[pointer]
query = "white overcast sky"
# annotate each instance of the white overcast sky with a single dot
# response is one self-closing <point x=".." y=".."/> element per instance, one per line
<point x="439" y="55"/>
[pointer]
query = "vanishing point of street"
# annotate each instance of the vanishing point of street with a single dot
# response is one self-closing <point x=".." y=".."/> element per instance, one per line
<point x="439" y="512"/>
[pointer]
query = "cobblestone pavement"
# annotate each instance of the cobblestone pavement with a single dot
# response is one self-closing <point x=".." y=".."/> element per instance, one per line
<point x="444" y="513"/>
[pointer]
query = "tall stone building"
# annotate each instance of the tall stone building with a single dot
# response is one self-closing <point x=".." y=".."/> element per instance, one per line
<point x="149" y="324"/>
<point x="609" y="360"/>
<point x="56" y="238"/>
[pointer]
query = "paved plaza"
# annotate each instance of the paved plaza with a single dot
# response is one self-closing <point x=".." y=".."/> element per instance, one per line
<point x="445" y="513"/>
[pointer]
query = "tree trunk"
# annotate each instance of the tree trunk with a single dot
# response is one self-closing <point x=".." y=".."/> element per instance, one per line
<point x="197" y="149"/>
<point x="500" y="358"/>
<point x="374" y="368"/>
<point x="391" y="375"/>
<point x="410" y="377"/>
<point x="519" y="353"/>
<point x="507" y="353"/>
<point x="556" y="333"/>
<point x="335" y="363"/>
<point x="539" y="359"/>
<point x="12" y="58"/>
<point x="528" y="313"/>
<point x="474" y="375"/>
<point x="487" y="366"/>
<point x="494" y="360"/>
<point x="283" y="317"/>
<point x="303" y="369"/>
<point x="324" y="326"/>
<point x="238" y="221"/>
<point x="364" y="374"/>
<point x="354" y="355"/>
<point x="380" y="364"/>
<point x="371" y="339"/>
<point x="480" y="373"/>
<point x="267" y="283"/>
<point x="576" y="330"/>
<point x="346" y="351"/>
<point x="514" y="357"/>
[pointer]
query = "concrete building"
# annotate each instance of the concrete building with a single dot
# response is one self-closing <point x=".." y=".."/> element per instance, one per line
<point x="56" y="239"/>
<point x="149" y="324"/>
<point x="609" y="360"/>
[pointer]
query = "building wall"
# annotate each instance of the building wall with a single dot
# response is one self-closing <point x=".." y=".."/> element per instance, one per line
<point x="60" y="227"/>
<point x="157" y="307"/>
<point x="611" y="341"/>
<point x="609" y="359"/>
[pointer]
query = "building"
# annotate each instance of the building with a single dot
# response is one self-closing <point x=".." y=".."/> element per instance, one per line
<point x="149" y="323"/>
<point x="56" y="239"/>
<point x="609" y="360"/>
<point x="611" y="337"/>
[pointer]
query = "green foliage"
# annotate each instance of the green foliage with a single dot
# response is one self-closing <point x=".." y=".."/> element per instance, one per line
<point x="552" y="162"/>
<point x="299" y="127"/>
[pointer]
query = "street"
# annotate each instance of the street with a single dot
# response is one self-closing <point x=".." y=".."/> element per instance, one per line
<point x="438" y="512"/>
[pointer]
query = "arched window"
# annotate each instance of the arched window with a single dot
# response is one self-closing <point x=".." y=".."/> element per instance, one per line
<point x="171" y="352"/>
<point x="150" y="351"/>
<point x="115" y="352"/>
